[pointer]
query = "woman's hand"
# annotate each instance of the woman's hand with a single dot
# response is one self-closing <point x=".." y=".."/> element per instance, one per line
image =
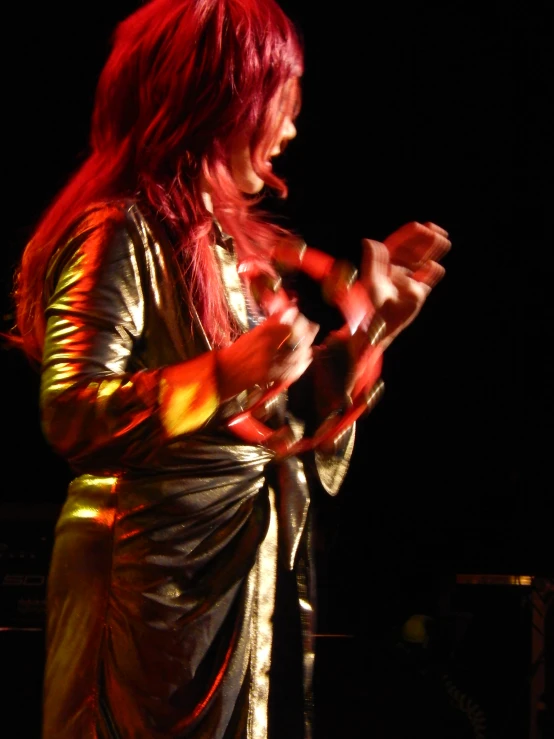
<point x="279" y="350"/>
<point x="400" y="273"/>
<point x="415" y="244"/>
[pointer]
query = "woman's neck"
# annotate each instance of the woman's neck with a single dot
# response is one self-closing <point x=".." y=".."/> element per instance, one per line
<point x="207" y="198"/>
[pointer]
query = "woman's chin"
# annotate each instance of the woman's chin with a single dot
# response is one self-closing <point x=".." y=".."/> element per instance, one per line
<point x="252" y="186"/>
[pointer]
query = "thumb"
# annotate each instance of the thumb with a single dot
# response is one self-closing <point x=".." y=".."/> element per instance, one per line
<point x="375" y="262"/>
<point x="375" y="272"/>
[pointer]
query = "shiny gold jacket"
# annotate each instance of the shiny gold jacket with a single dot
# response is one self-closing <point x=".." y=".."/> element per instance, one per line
<point x="162" y="581"/>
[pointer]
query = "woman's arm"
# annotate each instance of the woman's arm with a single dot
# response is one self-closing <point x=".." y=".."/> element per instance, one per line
<point x="94" y="407"/>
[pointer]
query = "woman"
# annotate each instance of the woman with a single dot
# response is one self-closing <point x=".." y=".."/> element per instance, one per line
<point x="136" y="297"/>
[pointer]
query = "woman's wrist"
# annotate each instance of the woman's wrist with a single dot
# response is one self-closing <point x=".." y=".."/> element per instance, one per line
<point x="189" y="394"/>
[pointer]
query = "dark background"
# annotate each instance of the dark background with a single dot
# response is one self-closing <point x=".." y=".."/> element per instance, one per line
<point x="435" y="111"/>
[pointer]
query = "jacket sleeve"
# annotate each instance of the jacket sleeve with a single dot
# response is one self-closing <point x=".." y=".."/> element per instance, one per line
<point x="318" y="397"/>
<point x="97" y="407"/>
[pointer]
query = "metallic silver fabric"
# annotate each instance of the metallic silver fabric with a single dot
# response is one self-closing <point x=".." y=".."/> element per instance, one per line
<point x="162" y="580"/>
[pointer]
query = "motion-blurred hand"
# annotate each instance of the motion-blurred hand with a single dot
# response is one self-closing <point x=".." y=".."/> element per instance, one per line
<point x="400" y="273"/>
<point x="279" y="350"/>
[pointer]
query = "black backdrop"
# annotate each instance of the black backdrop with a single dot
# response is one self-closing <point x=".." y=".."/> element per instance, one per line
<point x="436" y="111"/>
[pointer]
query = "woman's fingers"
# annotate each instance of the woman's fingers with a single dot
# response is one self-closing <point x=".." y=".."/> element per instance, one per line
<point x="429" y="274"/>
<point x="375" y="261"/>
<point x="278" y="350"/>
<point x="436" y="228"/>
<point x="303" y="332"/>
<point x="295" y="354"/>
<point x="416" y="243"/>
<point x="249" y="360"/>
<point x="375" y="272"/>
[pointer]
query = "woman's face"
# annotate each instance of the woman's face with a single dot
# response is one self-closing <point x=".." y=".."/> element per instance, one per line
<point x="242" y="169"/>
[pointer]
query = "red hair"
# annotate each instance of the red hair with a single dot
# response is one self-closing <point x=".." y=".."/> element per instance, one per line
<point x="183" y="77"/>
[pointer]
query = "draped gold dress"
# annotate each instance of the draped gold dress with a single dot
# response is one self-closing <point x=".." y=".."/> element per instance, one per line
<point x="162" y="583"/>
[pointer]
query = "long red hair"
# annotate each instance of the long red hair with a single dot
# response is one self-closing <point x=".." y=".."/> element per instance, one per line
<point x="182" y="78"/>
